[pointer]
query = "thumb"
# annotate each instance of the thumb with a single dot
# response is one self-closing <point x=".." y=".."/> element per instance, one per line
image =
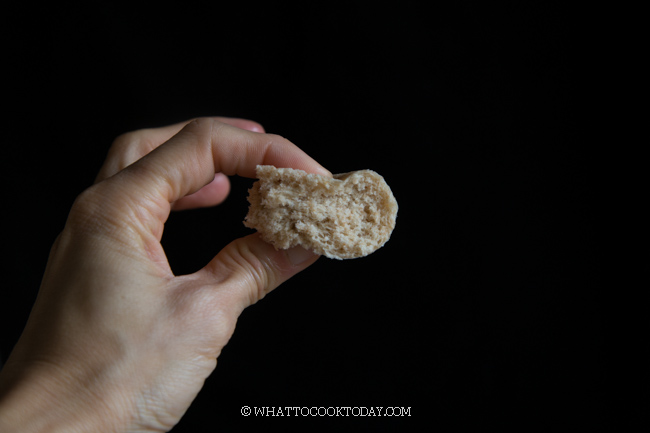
<point x="249" y="268"/>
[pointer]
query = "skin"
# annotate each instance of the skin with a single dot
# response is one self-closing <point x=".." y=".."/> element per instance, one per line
<point x="116" y="342"/>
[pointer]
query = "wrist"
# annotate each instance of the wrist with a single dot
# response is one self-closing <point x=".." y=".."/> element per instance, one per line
<point x="44" y="398"/>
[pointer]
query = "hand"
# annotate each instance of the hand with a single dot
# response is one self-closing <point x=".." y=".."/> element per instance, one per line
<point x="115" y="341"/>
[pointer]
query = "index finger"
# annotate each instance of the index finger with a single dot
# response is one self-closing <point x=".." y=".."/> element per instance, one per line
<point x="131" y="146"/>
<point x="205" y="146"/>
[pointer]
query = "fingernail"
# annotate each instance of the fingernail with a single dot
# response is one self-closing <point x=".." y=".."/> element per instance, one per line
<point x="219" y="177"/>
<point x="299" y="255"/>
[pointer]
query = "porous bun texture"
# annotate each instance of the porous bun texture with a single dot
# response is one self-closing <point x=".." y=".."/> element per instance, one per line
<point x="347" y="216"/>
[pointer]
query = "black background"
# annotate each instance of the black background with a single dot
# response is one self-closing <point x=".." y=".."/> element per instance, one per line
<point x="481" y="310"/>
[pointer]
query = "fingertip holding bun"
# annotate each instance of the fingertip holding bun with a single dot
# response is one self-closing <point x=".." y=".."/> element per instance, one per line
<point x="347" y="216"/>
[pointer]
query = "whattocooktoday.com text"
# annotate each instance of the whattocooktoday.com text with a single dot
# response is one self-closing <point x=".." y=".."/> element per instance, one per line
<point x="326" y="410"/>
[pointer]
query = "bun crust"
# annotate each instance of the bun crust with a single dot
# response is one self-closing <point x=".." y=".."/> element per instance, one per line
<point x="348" y="216"/>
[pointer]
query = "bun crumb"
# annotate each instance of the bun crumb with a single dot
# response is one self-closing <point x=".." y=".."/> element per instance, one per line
<point x="347" y="216"/>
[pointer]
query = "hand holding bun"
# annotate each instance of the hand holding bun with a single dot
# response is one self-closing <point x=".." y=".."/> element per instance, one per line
<point x="348" y="216"/>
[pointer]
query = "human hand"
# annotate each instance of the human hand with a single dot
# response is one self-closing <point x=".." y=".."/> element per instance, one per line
<point x="115" y="341"/>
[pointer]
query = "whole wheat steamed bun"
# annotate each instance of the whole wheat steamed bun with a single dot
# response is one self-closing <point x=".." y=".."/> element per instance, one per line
<point x="348" y="216"/>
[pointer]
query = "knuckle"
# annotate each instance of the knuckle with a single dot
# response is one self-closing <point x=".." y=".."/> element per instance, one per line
<point x="126" y="140"/>
<point x="129" y="147"/>
<point x="87" y="211"/>
<point x="255" y="275"/>
<point x="201" y="128"/>
<point x="113" y="209"/>
<point x="135" y="144"/>
<point x="125" y="149"/>
<point x="201" y="125"/>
